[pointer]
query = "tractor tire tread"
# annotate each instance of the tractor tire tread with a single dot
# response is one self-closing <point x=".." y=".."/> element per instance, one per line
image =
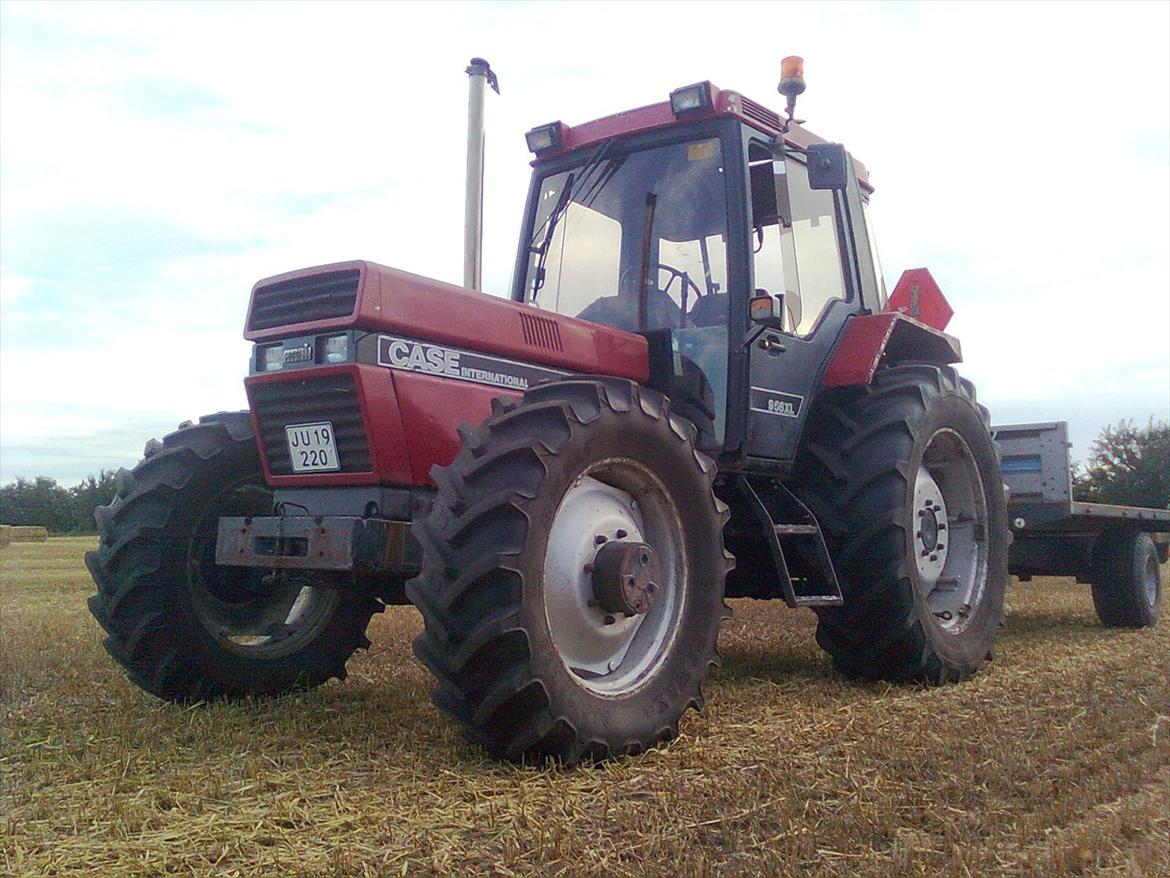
<point x="469" y="590"/>
<point x="133" y="604"/>
<point x="857" y="440"/>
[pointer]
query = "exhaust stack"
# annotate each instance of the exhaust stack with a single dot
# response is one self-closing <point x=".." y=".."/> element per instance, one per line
<point x="479" y="72"/>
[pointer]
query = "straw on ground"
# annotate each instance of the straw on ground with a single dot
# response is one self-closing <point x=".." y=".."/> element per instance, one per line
<point x="1049" y="762"/>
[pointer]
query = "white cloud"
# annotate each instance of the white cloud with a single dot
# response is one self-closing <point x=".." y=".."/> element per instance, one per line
<point x="1019" y="150"/>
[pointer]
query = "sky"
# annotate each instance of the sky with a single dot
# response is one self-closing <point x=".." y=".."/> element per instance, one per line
<point x="158" y="159"/>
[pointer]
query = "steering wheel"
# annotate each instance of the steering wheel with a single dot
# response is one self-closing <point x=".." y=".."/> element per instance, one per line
<point x="661" y="266"/>
<point x="681" y="275"/>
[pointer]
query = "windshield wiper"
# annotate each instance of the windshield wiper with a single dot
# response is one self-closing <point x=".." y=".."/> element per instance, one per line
<point x="644" y="272"/>
<point x="549" y="226"/>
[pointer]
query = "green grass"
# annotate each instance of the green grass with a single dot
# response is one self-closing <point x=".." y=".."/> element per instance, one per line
<point x="1053" y="760"/>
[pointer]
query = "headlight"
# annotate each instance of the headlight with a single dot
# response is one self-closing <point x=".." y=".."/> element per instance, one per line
<point x="271" y="357"/>
<point x="334" y="348"/>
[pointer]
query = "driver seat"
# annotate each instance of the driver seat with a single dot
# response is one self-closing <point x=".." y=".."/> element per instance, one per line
<point x="710" y="310"/>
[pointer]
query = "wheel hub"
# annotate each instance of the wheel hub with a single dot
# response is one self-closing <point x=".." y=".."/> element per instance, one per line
<point x="1151" y="580"/>
<point x="611" y="631"/>
<point x="930" y="542"/>
<point x="949" y="523"/>
<point x="626" y="577"/>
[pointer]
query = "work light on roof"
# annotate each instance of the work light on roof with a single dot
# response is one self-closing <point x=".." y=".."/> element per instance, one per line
<point x="545" y="138"/>
<point x="691" y="99"/>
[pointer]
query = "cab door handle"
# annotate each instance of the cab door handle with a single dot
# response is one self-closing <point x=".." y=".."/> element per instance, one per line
<point x="771" y="344"/>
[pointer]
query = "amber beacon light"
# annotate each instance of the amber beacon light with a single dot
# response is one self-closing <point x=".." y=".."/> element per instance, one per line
<point x="791" y="81"/>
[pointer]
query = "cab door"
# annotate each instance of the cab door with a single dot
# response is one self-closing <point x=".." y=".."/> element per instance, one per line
<point x="802" y="251"/>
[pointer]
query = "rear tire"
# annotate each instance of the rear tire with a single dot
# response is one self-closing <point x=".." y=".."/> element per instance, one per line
<point x="1127" y="581"/>
<point x="904" y="479"/>
<point x="525" y="658"/>
<point x="182" y="627"/>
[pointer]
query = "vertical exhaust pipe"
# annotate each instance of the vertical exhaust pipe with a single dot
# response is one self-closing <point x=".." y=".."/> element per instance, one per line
<point x="479" y="72"/>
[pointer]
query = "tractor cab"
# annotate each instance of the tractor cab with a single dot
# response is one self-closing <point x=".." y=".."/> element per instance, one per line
<point x="670" y="220"/>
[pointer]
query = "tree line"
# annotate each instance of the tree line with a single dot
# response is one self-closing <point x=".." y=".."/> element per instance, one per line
<point x="41" y="501"/>
<point x="1128" y="466"/>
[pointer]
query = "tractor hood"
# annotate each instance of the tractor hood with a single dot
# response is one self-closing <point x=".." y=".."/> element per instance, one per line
<point x="374" y="298"/>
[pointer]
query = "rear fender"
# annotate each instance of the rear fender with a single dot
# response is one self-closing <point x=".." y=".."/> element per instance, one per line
<point x="910" y="329"/>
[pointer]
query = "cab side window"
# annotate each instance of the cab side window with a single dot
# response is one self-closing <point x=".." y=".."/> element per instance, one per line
<point x="819" y="270"/>
<point x="796" y="250"/>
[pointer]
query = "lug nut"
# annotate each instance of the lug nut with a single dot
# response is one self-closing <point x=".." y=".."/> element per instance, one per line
<point x="621" y="534"/>
<point x="600" y="538"/>
<point x="609" y="620"/>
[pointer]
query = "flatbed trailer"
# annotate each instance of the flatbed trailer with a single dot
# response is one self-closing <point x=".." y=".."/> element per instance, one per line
<point x="1116" y="549"/>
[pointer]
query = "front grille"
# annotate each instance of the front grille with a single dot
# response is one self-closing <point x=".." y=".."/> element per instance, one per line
<point x="540" y="332"/>
<point x="301" y="299"/>
<point x="306" y="401"/>
<point x="759" y="113"/>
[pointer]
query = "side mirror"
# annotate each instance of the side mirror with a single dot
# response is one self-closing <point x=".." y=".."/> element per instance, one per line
<point x="827" y="166"/>
<point x="767" y="312"/>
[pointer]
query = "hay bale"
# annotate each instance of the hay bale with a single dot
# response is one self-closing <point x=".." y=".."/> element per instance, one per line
<point x="23" y="534"/>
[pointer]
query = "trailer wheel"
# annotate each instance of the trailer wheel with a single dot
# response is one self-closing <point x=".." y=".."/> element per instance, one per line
<point x="184" y="628"/>
<point x="1127" y="582"/>
<point x="904" y="478"/>
<point x="572" y="576"/>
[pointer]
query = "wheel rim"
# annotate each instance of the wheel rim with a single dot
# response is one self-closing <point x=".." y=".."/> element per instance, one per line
<point x="1150" y="580"/>
<point x="949" y="527"/>
<point x="611" y="653"/>
<point x="244" y="608"/>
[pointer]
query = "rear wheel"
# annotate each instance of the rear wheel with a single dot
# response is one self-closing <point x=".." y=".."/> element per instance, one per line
<point x="572" y="582"/>
<point x="904" y="478"/>
<point x="185" y="628"/>
<point x="1127" y="581"/>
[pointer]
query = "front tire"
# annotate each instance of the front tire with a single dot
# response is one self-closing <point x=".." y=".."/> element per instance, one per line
<point x="904" y="478"/>
<point x="1127" y="581"/>
<point x="184" y="628"/>
<point x="531" y="657"/>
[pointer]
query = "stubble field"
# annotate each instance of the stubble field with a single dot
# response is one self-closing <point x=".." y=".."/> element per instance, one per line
<point x="1054" y="760"/>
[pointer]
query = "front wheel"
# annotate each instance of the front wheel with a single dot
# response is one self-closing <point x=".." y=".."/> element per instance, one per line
<point x="572" y="581"/>
<point x="185" y="628"/>
<point x="904" y="478"/>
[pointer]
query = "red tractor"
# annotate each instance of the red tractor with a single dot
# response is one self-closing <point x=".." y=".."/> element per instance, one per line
<point x="698" y="389"/>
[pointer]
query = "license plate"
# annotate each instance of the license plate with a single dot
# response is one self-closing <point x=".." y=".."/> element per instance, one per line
<point x="312" y="448"/>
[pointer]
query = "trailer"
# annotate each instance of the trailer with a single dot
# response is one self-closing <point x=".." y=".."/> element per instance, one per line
<point x="1117" y="550"/>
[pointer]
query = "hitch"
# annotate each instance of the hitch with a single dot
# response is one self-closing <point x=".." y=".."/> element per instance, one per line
<point x="329" y="542"/>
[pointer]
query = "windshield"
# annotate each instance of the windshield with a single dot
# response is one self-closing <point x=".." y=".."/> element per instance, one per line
<point x="656" y="218"/>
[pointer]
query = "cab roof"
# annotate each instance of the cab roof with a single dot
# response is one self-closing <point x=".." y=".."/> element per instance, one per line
<point x="660" y="115"/>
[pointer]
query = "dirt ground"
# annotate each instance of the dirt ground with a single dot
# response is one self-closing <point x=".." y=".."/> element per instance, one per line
<point x="1055" y="760"/>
